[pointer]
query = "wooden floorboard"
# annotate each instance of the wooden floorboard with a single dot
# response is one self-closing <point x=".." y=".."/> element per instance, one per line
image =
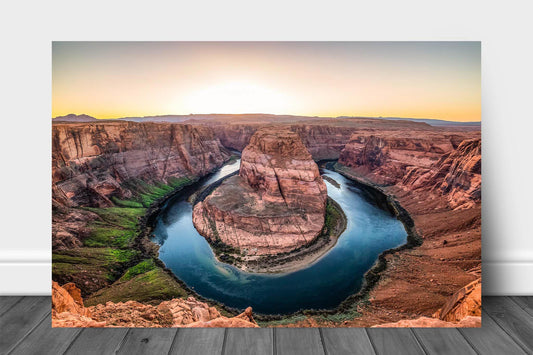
<point x="444" y="341"/>
<point x="513" y="319"/>
<point x="243" y="341"/>
<point x="7" y="302"/>
<point x="46" y="340"/>
<point x="205" y="341"/>
<point x="20" y="319"/>
<point x="98" y="341"/>
<point x="298" y="341"/>
<point x="346" y="341"/>
<point x="25" y="327"/>
<point x="525" y="302"/>
<point x="394" y="341"/>
<point x="147" y="341"/>
<point x="490" y="339"/>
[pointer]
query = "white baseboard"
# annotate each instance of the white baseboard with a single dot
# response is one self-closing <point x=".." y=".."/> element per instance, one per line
<point x="28" y="278"/>
<point x="25" y="272"/>
<point x="507" y="278"/>
<point x="20" y="275"/>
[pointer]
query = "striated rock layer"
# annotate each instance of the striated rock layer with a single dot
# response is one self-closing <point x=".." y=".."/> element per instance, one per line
<point x="277" y="202"/>
<point x="412" y="161"/>
<point x="92" y="163"/>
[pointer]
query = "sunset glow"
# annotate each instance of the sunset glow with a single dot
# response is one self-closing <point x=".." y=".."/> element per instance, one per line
<point x="237" y="97"/>
<point x="404" y="79"/>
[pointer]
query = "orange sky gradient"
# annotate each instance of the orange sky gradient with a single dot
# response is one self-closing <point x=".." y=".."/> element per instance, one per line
<point x="398" y="79"/>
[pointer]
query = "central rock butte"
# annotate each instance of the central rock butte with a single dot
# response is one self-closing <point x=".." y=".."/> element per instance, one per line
<point x="276" y="204"/>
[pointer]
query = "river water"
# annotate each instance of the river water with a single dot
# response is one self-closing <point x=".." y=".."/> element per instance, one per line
<point x="322" y="285"/>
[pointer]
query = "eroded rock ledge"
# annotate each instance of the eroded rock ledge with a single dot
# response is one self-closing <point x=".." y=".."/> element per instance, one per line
<point x="68" y="311"/>
<point x="275" y="205"/>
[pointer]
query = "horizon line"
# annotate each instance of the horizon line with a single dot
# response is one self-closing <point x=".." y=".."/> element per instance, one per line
<point x="267" y="114"/>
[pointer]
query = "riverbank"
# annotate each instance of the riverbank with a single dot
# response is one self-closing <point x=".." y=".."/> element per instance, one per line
<point x="305" y="256"/>
<point x="407" y="282"/>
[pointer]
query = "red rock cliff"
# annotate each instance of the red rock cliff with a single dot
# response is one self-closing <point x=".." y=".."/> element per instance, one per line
<point x="276" y="204"/>
<point x="93" y="162"/>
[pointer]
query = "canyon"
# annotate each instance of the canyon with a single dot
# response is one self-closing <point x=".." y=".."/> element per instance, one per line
<point x="275" y="205"/>
<point x="107" y="175"/>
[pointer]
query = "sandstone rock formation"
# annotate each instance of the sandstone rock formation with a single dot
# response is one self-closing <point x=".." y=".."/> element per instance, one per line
<point x="276" y="203"/>
<point x="459" y="175"/>
<point x="388" y="156"/>
<point x="325" y="138"/>
<point x="68" y="311"/>
<point x="462" y="309"/>
<point x="92" y="163"/>
<point x="465" y="302"/>
<point x="410" y="160"/>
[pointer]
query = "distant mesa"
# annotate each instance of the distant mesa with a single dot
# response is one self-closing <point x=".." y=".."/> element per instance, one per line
<point x="276" y="204"/>
<point x="71" y="117"/>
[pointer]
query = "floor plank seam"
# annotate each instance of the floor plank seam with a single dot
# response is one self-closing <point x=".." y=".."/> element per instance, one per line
<point x="122" y="342"/>
<point x="73" y="341"/>
<point x="29" y="332"/>
<point x="171" y="349"/>
<point x="274" y="345"/>
<point x="517" y="341"/>
<point x="223" y="351"/>
<point x="419" y="342"/>
<point x="468" y="341"/>
<point x="322" y="341"/>
<point x="13" y="305"/>
<point x="521" y="306"/>
<point x="371" y="341"/>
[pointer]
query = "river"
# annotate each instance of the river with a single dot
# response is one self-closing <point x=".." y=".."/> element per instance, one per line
<point x="322" y="285"/>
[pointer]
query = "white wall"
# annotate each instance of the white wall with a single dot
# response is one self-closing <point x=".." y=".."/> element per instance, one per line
<point x="27" y="29"/>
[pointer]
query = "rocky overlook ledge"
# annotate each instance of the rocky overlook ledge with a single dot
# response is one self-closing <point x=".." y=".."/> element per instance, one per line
<point x="276" y="204"/>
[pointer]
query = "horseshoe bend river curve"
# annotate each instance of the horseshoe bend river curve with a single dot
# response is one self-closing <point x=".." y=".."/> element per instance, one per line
<point x="322" y="285"/>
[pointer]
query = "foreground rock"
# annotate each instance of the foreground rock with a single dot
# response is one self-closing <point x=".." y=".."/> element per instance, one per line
<point x="68" y="311"/>
<point x="427" y="322"/>
<point x="277" y="202"/>
<point x="464" y="303"/>
<point x="462" y="309"/>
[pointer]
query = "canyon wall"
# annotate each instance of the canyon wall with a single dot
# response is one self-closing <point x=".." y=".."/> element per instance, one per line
<point x="324" y="138"/>
<point x="276" y="204"/>
<point x="93" y="164"/>
<point x="436" y="177"/>
<point x="322" y="141"/>
<point x="442" y="164"/>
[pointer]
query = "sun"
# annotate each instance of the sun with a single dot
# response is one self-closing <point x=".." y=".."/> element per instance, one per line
<point x="237" y="97"/>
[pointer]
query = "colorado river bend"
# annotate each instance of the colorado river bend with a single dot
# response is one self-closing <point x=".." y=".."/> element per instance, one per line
<point x="322" y="285"/>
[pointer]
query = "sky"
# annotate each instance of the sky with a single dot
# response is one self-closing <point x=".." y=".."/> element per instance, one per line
<point x="439" y="80"/>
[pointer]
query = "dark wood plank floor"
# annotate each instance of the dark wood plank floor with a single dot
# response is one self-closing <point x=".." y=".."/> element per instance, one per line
<point x="507" y="329"/>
